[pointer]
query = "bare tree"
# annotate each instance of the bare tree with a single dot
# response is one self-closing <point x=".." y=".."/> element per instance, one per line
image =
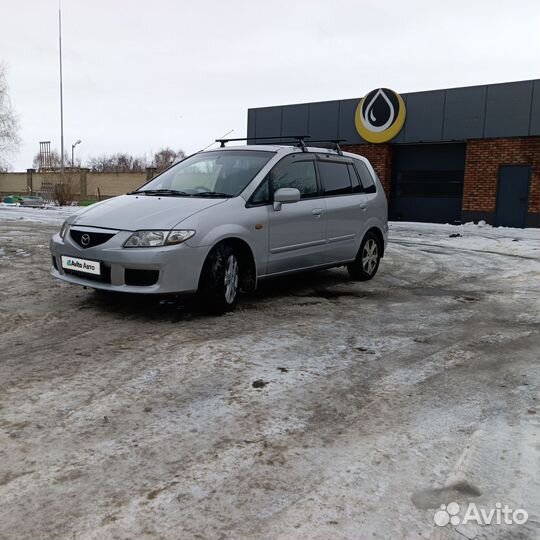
<point x="119" y="162"/>
<point x="9" y="124"/>
<point x="124" y="162"/>
<point x="166" y="157"/>
<point x="100" y="163"/>
<point x="63" y="188"/>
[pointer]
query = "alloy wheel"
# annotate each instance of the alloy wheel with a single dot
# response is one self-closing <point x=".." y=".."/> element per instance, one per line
<point x="370" y="256"/>
<point x="231" y="279"/>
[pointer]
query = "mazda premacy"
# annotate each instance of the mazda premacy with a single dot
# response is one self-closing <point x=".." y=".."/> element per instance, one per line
<point x="221" y="220"/>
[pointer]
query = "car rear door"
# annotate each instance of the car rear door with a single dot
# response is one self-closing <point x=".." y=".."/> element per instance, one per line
<point x="297" y="230"/>
<point x="345" y="206"/>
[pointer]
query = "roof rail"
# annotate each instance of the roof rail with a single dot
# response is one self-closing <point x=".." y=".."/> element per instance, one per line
<point x="298" y="138"/>
<point x="335" y="143"/>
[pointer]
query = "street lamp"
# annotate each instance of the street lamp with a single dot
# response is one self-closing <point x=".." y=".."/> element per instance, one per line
<point x="78" y="141"/>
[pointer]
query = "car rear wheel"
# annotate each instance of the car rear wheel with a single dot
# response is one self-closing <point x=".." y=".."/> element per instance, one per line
<point x="220" y="279"/>
<point x="367" y="260"/>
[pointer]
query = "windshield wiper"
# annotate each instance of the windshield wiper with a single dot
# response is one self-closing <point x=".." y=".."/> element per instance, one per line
<point x="165" y="192"/>
<point x="213" y="194"/>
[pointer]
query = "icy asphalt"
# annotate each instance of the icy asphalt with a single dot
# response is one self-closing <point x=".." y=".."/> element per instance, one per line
<point x="130" y="418"/>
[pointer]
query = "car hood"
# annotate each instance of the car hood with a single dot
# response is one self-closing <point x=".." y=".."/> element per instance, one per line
<point x="140" y="212"/>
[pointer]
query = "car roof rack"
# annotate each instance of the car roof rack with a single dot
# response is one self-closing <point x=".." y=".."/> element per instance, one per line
<point x="300" y="141"/>
<point x="334" y="142"/>
<point x="298" y="138"/>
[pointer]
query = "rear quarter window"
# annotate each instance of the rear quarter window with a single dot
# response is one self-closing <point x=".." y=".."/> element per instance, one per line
<point x="368" y="182"/>
<point x="355" y="179"/>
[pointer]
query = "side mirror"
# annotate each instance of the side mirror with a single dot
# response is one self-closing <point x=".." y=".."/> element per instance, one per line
<point x="285" y="196"/>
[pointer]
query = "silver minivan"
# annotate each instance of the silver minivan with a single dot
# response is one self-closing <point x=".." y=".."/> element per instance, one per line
<point x="221" y="220"/>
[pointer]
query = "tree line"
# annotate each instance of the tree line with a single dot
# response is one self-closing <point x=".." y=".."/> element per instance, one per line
<point x="118" y="162"/>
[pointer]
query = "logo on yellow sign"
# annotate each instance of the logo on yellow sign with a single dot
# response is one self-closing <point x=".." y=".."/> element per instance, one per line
<point x="380" y="115"/>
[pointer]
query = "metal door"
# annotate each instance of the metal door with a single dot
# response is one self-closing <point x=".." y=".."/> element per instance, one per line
<point x="513" y="195"/>
<point x="427" y="182"/>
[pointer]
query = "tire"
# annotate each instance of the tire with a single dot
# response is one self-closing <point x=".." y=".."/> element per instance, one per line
<point x="367" y="260"/>
<point x="219" y="284"/>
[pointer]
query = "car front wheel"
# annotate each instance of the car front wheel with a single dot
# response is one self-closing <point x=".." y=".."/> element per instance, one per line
<point x="220" y="278"/>
<point x="367" y="260"/>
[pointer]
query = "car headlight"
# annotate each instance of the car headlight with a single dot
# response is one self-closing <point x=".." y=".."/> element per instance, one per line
<point x="64" y="229"/>
<point x="157" y="238"/>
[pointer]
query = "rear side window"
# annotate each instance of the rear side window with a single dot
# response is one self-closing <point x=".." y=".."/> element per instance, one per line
<point x="365" y="177"/>
<point x="335" y="178"/>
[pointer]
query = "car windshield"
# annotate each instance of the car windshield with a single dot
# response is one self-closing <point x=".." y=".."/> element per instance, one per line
<point x="219" y="173"/>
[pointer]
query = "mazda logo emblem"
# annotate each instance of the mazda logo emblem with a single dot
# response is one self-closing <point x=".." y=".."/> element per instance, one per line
<point x="85" y="239"/>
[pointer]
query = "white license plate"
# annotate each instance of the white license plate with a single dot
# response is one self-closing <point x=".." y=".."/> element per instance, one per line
<point x="81" y="265"/>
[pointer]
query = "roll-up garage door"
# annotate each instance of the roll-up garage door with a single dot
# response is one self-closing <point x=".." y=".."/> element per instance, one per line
<point x="427" y="182"/>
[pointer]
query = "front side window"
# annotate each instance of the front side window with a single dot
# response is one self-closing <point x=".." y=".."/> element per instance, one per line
<point x="296" y="174"/>
<point x="261" y="195"/>
<point x="220" y="173"/>
<point x="335" y="178"/>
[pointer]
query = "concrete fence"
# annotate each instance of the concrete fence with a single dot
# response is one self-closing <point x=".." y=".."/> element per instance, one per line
<point x="84" y="183"/>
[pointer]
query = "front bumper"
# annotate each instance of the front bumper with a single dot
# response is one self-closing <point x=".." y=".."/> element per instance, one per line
<point x="178" y="267"/>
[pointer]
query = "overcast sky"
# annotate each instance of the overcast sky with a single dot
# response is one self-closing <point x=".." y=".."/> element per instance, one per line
<point x="142" y="75"/>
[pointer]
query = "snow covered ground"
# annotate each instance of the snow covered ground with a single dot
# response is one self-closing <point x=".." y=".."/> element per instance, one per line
<point x="374" y="403"/>
<point x="480" y="237"/>
<point x="49" y="214"/>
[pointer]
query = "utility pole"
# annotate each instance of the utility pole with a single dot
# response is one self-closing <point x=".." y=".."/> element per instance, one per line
<point x="61" y="92"/>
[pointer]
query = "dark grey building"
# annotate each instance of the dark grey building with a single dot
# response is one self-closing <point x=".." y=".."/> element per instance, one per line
<point x="461" y="154"/>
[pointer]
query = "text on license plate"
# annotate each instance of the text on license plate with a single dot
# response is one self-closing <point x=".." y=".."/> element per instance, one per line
<point x="81" y="265"/>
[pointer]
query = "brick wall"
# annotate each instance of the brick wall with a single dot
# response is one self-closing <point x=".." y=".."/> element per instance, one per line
<point x="484" y="157"/>
<point x="380" y="156"/>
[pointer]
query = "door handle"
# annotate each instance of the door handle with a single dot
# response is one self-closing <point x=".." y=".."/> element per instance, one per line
<point x="363" y="206"/>
<point x="317" y="211"/>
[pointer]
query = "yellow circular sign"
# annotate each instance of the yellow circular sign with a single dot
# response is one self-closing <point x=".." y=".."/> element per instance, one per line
<point x="380" y="115"/>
